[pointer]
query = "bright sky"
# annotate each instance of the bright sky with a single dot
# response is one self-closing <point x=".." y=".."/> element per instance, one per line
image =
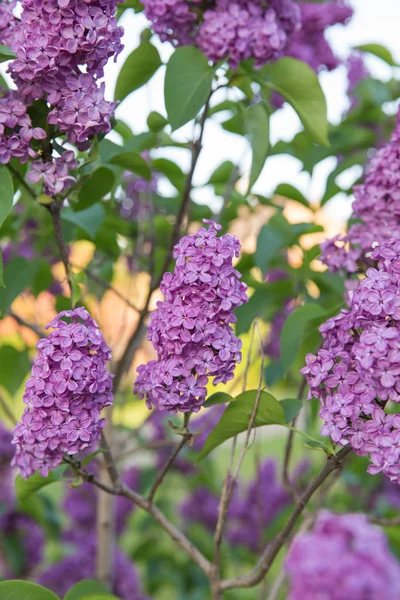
<point x="373" y="21"/>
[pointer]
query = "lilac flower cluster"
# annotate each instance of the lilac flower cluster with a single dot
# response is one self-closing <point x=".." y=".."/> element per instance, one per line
<point x="308" y="43"/>
<point x="7" y="21"/>
<point x="254" y="506"/>
<point x="53" y="42"/>
<point x="81" y="564"/>
<point x="221" y="28"/>
<point x="343" y="557"/>
<point x="29" y="540"/>
<point x="191" y="330"/>
<point x="356" y="72"/>
<point x="376" y="210"/>
<point x="355" y="374"/>
<point x="16" y="131"/>
<point x="55" y="174"/>
<point x="65" y="394"/>
<point x="135" y="204"/>
<point x="246" y="29"/>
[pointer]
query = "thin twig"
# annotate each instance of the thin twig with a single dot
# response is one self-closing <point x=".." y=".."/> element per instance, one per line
<point x="277" y="586"/>
<point x="150" y="447"/>
<point x="160" y="478"/>
<point x="271" y="551"/>
<point x="136" y="337"/>
<point x="289" y="448"/>
<point x="385" y="522"/>
<point x="17" y="175"/>
<point x="122" y="490"/>
<point x="7" y="411"/>
<point x="55" y="211"/>
<point x="107" y="286"/>
<point x="230" y="481"/>
<point x="24" y="323"/>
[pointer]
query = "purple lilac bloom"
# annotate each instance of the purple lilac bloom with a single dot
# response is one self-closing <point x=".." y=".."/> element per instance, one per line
<point x="356" y="72"/>
<point x="376" y="209"/>
<point x="342" y="557"/>
<point x="61" y="576"/>
<point x="201" y="507"/>
<point x="135" y="203"/>
<point x="54" y="174"/>
<point x="309" y="43"/>
<point x="253" y="507"/>
<point x="355" y="374"/>
<point x="222" y="29"/>
<point x="191" y="330"/>
<point x="8" y="21"/>
<point x="256" y="507"/>
<point x="28" y="535"/>
<point x="61" y="50"/>
<point x="16" y="131"/>
<point x="68" y="388"/>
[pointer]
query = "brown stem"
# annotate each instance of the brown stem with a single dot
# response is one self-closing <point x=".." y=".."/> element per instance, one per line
<point x="271" y="551"/>
<point x="122" y="490"/>
<point x="105" y="521"/>
<point x="55" y="211"/>
<point x="107" y="286"/>
<point x="160" y="478"/>
<point x="385" y="522"/>
<point x="22" y="181"/>
<point x="24" y="323"/>
<point x="230" y="480"/>
<point x="289" y="448"/>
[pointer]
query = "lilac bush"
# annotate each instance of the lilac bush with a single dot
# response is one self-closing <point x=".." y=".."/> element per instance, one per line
<point x="68" y="388"/>
<point x="342" y="557"/>
<point x="191" y="330"/>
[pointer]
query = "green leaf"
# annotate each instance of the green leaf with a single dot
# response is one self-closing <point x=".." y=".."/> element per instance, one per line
<point x="288" y="191"/>
<point x="6" y="54"/>
<point x="236" y="417"/>
<point x="85" y="587"/>
<point x="292" y="407"/>
<point x="269" y="241"/>
<point x="99" y="184"/>
<point x="379" y="51"/>
<point x="300" y="86"/>
<point x="171" y="170"/>
<point x="6" y="193"/>
<point x="217" y="398"/>
<point x="294" y="329"/>
<point x="258" y="129"/>
<point x="14" y="366"/>
<point x="156" y="122"/>
<point x="89" y="219"/>
<point x="18" y="274"/>
<point x="188" y="82"/>
<point x="137" y="70"/>
<point x="222" y="173"/>
<point x="132" y="161"/>
<point x="22" y="590"/>
<point x="26" y="487"/>
<point x="1" y="270"/>
<point x="100" y="597"/>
